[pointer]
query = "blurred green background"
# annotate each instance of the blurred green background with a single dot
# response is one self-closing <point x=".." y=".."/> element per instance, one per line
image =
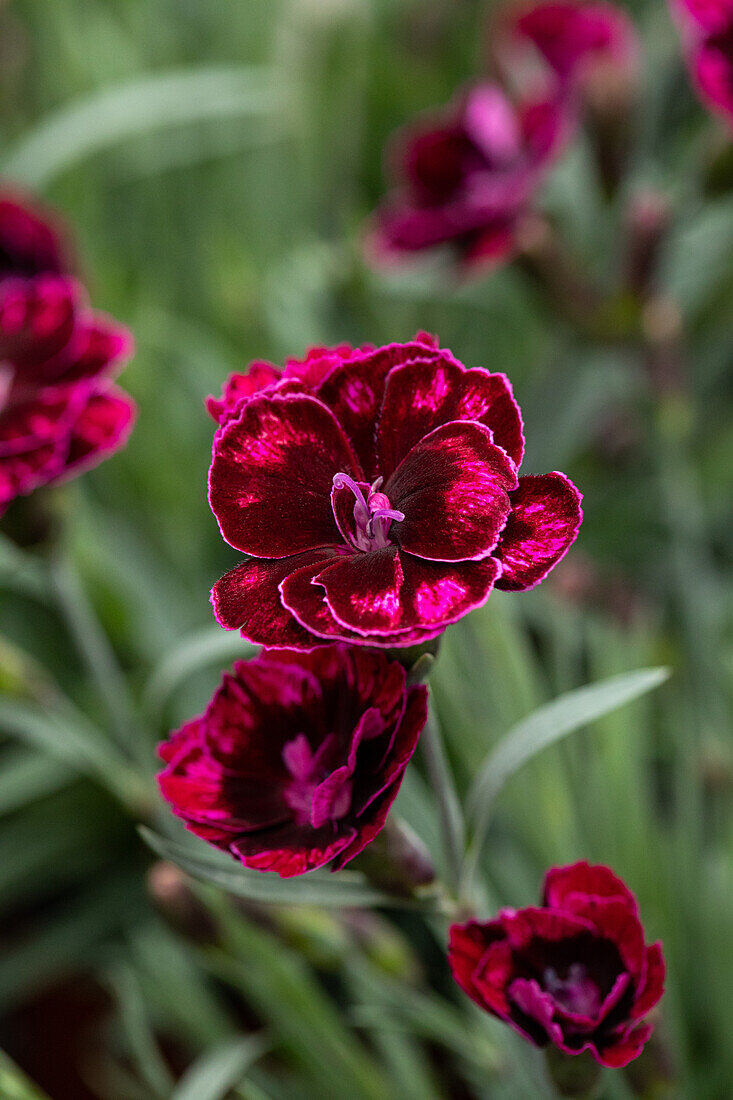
<point x="217" y="161"/>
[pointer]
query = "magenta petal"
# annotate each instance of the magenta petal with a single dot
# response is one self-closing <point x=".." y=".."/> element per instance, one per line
<point x="537" y="1005"/>
<point x="653" y="987"/>
<point x="620" y="1054"/>
<point x="35" y="439"/>
<point x="421" y="396"/>
<point x="385" y="592"/>
<point x="452" y="488"/>
<point x="712" y="65"/>
<point x="306" y="600"/>
<point x="237" y="387"/>
<point x="38" y="318"/>
<point x="247" y="598"/>
<point x="103" y="427"/>
<point x="103" y="346"/>
<point x="710" y="15"/>
<point x="291" y="850"/>
<point x="544" y="523"/>
<point x="564" y="885"/>
<point x="272" y="472"/>
<point x="354" y="391"/>
<point x="32" y="241"/>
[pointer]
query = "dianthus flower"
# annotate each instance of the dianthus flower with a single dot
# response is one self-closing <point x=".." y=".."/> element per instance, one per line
<point x="59" y="412"/>
<point x="464" y="177"/>
<point x="376" y="494"/>
<point x="575" y="973"/>
<point x="707" y="28"/>
<point x="572" y="38"/>
<point x="297" y="759"/>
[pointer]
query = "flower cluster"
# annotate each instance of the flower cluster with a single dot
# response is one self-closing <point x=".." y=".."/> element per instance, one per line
<point x="376" y="497"/>
<point x="707" y="30"/>
<point x="376" y="492"/>
<point x="59" y="412"/>
<point x="298" y="757"/>
<point x="575" y="972"/>
<point x="465" y="177"/>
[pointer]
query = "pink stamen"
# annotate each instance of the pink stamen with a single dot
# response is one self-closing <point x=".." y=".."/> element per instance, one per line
<point x="373" y="515"/>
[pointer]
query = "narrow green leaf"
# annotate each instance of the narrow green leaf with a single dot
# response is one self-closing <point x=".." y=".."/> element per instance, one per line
<point x="347" y="889"/>
<point x="27" y="776"/>
<point x="113" y="115"/>
<point x="72" y="739"/>
<point x="14" y="1085"/>
<point x="217" y="1071"/>
<point x="542" y="728"/>
<point x="141" y="1039"/>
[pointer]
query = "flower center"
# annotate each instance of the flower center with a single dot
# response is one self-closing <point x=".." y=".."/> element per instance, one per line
<point x="373" y="514"/>
<point x="316" y="793"/>
<point x="576" y="991"/>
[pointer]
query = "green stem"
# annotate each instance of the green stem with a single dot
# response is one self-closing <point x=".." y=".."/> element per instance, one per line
<point x="94" y="647"/>
<point x="441" y="780"/>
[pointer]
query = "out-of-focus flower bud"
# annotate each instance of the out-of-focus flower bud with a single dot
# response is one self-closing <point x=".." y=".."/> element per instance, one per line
<point x="647" y="220"/>
<point x="171" y="893"/>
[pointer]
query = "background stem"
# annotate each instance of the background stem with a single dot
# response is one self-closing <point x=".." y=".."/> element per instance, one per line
<point x="441" y="780"/>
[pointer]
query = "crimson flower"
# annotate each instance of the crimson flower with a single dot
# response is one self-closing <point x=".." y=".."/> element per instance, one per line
<point x="297" y="758"/>
<point x="465" y="176"/>
<point x="376" y="492"/>
<point x="572" y="38"/>
<point x="575" y="973"/>
<point x="707" y="27"/>
<point x="59" y="412"/>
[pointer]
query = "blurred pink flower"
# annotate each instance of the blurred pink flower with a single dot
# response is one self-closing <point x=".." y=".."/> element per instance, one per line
<point x="570" y="37"/>
<point x="59" y="412"/>
<point x="466" y="175"/>
<point x="707" y="31"/>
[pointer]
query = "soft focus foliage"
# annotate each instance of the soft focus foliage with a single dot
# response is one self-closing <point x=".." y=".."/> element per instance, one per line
<point x="220" y="164"/>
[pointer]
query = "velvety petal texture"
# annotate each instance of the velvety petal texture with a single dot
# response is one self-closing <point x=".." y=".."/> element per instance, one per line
<point x="376" y="493"/>
<point x="59" y="413"/>
<point x="574" y="973"/>
<point x="297" y="759"/>
<point x="464" y="177"/>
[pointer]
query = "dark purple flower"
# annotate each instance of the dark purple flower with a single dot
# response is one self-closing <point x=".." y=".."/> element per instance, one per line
<point x="571" y="38"/>
<point x="378" y="500"/>
<point x="297" y="759"/>
<point x="707" y="29"/>
<point x="464" y="177"/>
<point x="59" y="412"/>
<point x="575" y="973"/>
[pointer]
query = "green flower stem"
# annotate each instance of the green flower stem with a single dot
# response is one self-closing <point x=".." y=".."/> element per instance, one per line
<point x="441" y="780"/>
<point x="94" y="647"/>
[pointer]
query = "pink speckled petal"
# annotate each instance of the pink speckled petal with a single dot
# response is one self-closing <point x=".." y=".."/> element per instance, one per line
<point x="272" y="472"/>
<point x="421" y="396"/>
<point x="544" y="523"/>
<point x="453" y="489"/>
<point x="247" y="598"/>
<point x="306" y="599"/>
<point x="354" y="391"/>
<point x="386" y="591"/>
